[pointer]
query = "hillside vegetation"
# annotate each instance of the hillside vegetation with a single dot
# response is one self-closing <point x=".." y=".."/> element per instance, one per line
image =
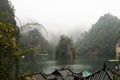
<point x="34" y="39"/>
<point x="101" y="39"/>
<point x="65" y="48"/>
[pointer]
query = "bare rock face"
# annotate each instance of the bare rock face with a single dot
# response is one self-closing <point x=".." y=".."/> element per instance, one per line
<point x="118" y="50"/>
<point x="65" y="48"/>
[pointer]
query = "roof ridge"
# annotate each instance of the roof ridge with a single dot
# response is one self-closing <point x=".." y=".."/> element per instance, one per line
<point x="27" y="75"/>
<point x="100" y="69"/>
<point x="109" y="73"/>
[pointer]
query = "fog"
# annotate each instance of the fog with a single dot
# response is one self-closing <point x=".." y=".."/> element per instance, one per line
<point x="64" y="16"/>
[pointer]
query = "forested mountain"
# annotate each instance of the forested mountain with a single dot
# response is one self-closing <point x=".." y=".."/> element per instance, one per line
<point x="65" y="48"/>
<point x="7" y="15"/>
<point x="34" y="39"/>
<point x="7" y="12"/>
<point x="101" y="38"/>
<point x="9" y="52"/>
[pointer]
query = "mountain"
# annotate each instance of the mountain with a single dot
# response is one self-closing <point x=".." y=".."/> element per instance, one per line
<point x="65" y="48"/>
<point x="34" y="38"/>
<point x="101" y="38"/>
<point x="7" y="16"/>
<point x="9" y="53"/>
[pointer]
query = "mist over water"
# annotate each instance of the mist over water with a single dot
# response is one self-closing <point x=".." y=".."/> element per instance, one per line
<point x="81" y="63"/>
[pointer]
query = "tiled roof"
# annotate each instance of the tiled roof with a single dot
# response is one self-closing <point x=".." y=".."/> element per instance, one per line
<point x="33" y="76"/>
<point x="67" y="74"/>
<point x="102" y="74"/>
<point x="55" y="75"/>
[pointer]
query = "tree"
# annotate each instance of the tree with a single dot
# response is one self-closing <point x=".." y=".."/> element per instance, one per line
<point x="7" y="15"/>
<point x="9" y="32"/>
<point x="9" y="53"/>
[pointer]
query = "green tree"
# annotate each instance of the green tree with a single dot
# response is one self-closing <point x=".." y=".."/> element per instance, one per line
<point x="9" y="33"/>
<point x="9" y="53"/>
<point x="7" y="15"/>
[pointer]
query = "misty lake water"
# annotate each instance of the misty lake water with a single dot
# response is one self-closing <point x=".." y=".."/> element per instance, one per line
<point x="79" y="64"/>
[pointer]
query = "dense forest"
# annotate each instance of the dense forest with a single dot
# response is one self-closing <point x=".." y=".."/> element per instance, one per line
<point x="33" y="38"/>
<point x="101" y="39"/>
<point x="9" y="34"/>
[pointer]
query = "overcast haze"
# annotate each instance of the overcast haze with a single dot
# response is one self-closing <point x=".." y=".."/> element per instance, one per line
<point x="64" y="15"/>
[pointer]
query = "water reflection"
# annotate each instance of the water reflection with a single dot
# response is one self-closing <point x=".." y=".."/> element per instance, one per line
<point x="77" y="65"/>
<point x="65" y="62"/>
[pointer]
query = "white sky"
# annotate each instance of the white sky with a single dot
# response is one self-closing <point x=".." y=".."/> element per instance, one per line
<point x="64" y="15"/>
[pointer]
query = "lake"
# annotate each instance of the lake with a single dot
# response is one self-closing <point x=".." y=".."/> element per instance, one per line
<point x="79" y="64"/>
